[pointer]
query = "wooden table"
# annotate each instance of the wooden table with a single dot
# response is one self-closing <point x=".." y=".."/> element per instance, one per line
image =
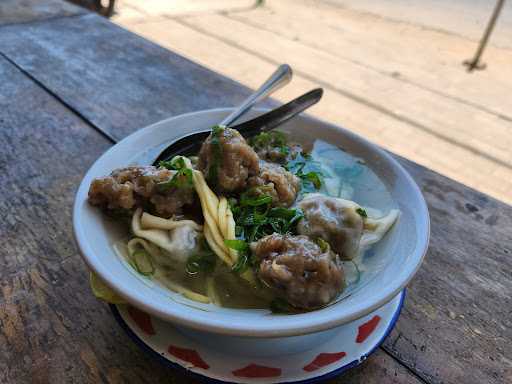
<point x="71" y="85"/>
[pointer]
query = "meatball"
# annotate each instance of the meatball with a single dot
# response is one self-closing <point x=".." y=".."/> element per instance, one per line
<point x="335" y="221"/>
<point x="138" y="186"/>
<point x="277" y="182"/>
<point x="298" y="270"/>
<point x="227" y="160"/>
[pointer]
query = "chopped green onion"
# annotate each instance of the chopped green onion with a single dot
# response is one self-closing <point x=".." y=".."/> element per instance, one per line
<point x="241" y="264"/>
<point x="362" y="212"/>
<point x="201" y="262"/>
<point x="265" y="139"/>
<point x="142" y="263"/>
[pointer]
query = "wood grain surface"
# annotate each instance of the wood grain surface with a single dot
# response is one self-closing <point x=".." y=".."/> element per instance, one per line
<point x="456" y="324"/>
<point x="52" y="329"/>
<point x="24" y="11"/>
<point x="118" y="81"/>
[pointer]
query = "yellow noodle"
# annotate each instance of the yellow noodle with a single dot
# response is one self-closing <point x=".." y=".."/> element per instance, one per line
<point x="187" y="292"/>
<point x="212" y="293"/>
<point x="215" y="248"/>
<point x="210" y="206"/>
<point x="229" y="232"/>
<point x="154" y="222"/>
<point x="211" y="201"/>
<point x="219" y="221"/>
<point x="221" y="214"/>
<point x="211" y="225"/>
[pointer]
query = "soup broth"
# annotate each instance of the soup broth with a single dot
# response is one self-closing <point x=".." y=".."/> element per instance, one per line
<point x="343" y="176"/>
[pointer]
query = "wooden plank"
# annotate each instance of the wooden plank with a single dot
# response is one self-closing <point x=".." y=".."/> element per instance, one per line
<point x="52" y="329"/>
<point x="16" y="11"/>
<point x="378" y="369"/>
<point x="464" y="275"/>
<point x="118" y="81"/>
<point x="455" y="326"/>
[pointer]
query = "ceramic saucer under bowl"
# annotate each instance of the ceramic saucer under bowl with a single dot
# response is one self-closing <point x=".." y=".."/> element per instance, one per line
<point x="345" y="347"/>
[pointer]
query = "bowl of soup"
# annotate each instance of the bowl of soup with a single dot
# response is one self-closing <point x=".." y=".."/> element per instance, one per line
<point x="287" y="233"/>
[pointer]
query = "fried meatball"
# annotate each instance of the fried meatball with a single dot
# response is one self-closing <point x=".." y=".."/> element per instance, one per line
<point x="131" y="187"/>
<point x="335" y="221"/>
<point x="227" y="160"/>
<point x="277" y="182"/>
<point x="298" y="270"/>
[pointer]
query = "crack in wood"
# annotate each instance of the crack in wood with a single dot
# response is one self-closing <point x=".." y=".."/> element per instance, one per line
<point x="59" y="99"/>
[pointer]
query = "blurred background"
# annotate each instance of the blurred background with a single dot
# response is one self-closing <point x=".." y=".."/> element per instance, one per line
<point x="391" y="69"/>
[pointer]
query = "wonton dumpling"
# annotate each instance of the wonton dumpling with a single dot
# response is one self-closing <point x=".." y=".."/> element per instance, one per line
<point x="178" y="238"/>
<point x="375" y="229"/>
<point x="338" y="222"/>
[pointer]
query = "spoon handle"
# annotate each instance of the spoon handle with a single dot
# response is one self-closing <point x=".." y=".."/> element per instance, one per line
<point x="279" y="78"/>
<point x="280" y="115"/>
<point x="190" y="144"/>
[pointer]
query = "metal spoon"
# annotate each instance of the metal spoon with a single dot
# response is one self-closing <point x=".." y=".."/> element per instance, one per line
<point x="190" y="144"/>
<point x="281" y="77"/>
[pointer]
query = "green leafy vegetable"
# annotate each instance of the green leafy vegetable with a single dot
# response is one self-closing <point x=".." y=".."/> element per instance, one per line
<point x="175" y="163"/>
<point x="255" y="218"/>
<point x="268" y="139"/>
<point x="362" y="212"/>
<point x="241" y="264"/>
<point x="314" y="178"/>
<point x="243" y="254"/>
<point x="237" y="245"/>
<point x="307" y="170"/>
<point x="255" y="201"/>
<point x="181" y="179"/>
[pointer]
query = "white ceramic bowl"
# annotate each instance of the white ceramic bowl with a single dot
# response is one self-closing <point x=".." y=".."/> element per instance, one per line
<point x="399" y="254"/>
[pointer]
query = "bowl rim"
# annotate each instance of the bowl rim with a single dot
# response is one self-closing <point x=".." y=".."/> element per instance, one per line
<point x="304" y="323"/>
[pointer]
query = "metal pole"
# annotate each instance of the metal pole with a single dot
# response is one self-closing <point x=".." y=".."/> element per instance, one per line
<point x="475" y="62"/>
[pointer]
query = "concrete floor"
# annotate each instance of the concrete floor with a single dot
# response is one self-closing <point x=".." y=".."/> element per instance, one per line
<point x="391" y="71"/>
